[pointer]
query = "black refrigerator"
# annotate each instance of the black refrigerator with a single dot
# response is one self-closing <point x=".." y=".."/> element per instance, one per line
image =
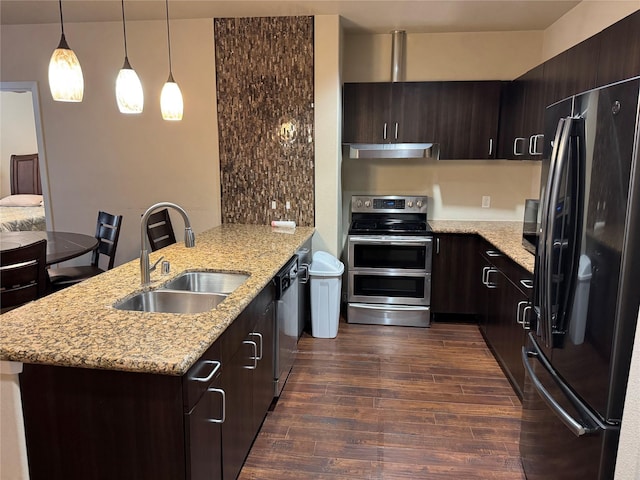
<point x="587" y="286"/>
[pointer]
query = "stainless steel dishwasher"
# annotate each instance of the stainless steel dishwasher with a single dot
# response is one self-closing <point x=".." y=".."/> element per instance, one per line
<point x="286" y="339"/>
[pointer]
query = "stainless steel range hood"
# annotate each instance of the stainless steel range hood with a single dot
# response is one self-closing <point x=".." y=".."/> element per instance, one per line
<point x="392" y="150"/>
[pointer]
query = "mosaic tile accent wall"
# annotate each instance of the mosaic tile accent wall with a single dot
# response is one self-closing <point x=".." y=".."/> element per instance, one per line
<point x="264" y="69"/>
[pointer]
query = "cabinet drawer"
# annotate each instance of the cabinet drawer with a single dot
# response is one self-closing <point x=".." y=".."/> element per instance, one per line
<point x="200" y="375"/>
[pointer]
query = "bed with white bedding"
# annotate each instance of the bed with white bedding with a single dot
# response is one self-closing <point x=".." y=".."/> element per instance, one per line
<point x="24" y="208"/>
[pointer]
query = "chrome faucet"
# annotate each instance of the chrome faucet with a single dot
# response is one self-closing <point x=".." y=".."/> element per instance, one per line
<point x="189" y="238"/>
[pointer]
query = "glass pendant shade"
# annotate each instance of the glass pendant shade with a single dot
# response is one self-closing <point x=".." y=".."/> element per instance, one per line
<point x="171" y="101"/>
<point x="65" y="74"/>
<point x="129" y="94"/>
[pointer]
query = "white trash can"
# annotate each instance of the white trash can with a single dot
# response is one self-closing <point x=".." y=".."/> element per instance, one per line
<point x="325" y="273"/>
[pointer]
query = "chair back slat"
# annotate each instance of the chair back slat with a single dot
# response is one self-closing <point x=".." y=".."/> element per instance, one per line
<point x="23" y="275"/>
<point x="107" y="233"/>
<point x="159" y="230"/>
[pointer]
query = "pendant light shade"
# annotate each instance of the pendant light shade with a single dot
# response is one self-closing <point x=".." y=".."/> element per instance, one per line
<point x="65" y="74"/>
<point x="129" y="94"/>
<point x="171" y="103"/>
<point x="171" y="100"/>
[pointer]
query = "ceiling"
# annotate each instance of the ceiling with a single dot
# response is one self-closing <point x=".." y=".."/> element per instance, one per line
<point x="377" y="16"/>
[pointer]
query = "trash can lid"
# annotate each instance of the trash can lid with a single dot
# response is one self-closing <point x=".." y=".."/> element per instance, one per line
<point x="325" y="265"/>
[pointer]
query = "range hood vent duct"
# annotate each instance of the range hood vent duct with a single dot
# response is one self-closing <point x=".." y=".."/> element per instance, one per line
<point x="398" y="40"/>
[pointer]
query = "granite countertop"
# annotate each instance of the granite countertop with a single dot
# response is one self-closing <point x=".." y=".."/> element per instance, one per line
<point x="505" y="236"/>
<point x="78" y="326"/>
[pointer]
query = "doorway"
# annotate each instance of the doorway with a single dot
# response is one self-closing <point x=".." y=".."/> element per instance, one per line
<point x="21" y="133"/>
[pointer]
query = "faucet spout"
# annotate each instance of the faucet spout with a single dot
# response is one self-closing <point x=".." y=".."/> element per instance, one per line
<point x="189" y="237"/>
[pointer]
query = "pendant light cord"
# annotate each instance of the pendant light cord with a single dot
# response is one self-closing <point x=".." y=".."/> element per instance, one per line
<point x="124" y="30"/>
<point x="168" y="37"/>
<point x="61" y="22"/>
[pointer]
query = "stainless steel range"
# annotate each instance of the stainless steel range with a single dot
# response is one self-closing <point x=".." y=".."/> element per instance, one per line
<point x="389" y="261"/>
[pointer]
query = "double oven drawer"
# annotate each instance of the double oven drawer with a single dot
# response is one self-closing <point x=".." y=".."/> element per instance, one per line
<point x="391" y="270"/>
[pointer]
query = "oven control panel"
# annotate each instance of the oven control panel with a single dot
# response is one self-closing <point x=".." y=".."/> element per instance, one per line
<point x="389" y="204"/>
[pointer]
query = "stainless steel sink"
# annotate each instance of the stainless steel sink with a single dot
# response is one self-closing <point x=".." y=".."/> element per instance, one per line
<point x="208" y="282"/>
<point x="171" y="301"/>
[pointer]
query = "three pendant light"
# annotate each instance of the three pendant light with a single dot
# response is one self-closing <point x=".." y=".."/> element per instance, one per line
<point x="67" y="84"/>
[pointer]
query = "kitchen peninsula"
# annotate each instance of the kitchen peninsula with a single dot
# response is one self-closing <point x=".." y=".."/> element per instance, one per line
<point x="79" y="327"/>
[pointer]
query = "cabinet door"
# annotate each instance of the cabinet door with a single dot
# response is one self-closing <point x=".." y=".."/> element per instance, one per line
<point x="263" y="374"/>
<point x="366" y="113"/>
<point x="467" y="125"/>
<point x="572" y="71"/>
<point x="413" y="111"/>
<point x="238" y="429"/>
<point x="619" y="51"/>
<point x="453" y="289"/>
<point x="203" y="427"/>
<point x="522" y="117"/>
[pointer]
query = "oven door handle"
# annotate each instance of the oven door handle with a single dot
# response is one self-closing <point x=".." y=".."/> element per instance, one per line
<point x="396" y="241"/>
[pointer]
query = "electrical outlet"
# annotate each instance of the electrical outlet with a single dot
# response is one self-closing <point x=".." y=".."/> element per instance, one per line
<point x="287" y="205"/>
<point x="273" y="204"/>
<point x="486" y="201"/>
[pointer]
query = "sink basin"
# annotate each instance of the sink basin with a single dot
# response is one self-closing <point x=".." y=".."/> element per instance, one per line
<point x="170" y="301"/>
<point x="207" y="282"/>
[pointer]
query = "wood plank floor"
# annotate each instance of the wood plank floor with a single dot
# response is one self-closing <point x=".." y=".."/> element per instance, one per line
<point x="381" y="402"/>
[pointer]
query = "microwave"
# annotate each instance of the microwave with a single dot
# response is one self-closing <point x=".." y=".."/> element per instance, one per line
<point x="530" y="225"/>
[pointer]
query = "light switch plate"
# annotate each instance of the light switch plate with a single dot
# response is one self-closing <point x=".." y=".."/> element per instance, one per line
<point x="486" y="201"/>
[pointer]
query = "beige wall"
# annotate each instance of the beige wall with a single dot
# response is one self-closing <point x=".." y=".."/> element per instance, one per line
<point x="583" y="21"/>
<point x="328" y="111"/>
<point x="17" y="133"/>
<point x="443" y="56"/>
<point x="101" y="159"/>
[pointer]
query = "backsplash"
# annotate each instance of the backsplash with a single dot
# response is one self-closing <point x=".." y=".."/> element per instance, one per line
<point x="264" y="70"/>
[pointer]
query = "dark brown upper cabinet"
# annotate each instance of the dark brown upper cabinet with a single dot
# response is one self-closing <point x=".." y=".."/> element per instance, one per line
<point x="522" y="117"/>
<point x="388" y="112"/>
<point x="462" y="117"/>
<point x="620" y="51"/>
<point x="573" y="71"/>
<point x="467" y="120"/>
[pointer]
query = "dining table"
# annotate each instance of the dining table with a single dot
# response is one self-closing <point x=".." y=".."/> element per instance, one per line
<point x="61" y="246"/>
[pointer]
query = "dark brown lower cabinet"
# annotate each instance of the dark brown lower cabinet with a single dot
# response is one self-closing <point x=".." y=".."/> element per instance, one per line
<point x="505" y="292"/>
<point x="453" y="289"/>
<point x="103" y="424"/>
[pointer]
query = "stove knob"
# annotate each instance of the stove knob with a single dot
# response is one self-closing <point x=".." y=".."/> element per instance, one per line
<point x="409" y="204"/>
<point x="359" y="204"/>
<point x="419" y="204"/>
<point x="367" y="203"/>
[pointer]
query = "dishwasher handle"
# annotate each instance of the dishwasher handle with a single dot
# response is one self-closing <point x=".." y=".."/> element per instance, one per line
<point x="303" y="273"/>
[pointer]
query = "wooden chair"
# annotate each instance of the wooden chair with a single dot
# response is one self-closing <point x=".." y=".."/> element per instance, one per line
<point x="160" y="230"/>
<point x="107" y="233"/>
<point x="23" y="275"/>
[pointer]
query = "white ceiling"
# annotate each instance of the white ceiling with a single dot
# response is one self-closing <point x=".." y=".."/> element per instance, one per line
<point x="379" y="16"/>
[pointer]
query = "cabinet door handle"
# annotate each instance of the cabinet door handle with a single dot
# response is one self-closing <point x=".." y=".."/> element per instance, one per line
<point x="396" y="135"/>
<point x="490" y="284"/>
<point x="485" y="270"/>
<point x="490" y="146"/>
<point x="526" y="324"/>
<point x="384" y="133"/>
<point x="519" y="309"/>
<point x="526" y="283"/>
<point x="515" y="146"/>
<point x="438" y="246"/>
<point x="255" y="354"/>
<point x="259" y="335"/>
<point x="224" y="406"/>
<point x="216" y="367"/>
<point x="493" y="253"/>
<point x="533" y="144"/>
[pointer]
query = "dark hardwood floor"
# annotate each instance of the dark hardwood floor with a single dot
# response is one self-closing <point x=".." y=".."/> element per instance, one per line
<point x="381" y="402"/>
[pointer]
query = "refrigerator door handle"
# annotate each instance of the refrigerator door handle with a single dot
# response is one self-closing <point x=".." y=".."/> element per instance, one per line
<point x="578" y="428"/>
<point x="546" y="238"/>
